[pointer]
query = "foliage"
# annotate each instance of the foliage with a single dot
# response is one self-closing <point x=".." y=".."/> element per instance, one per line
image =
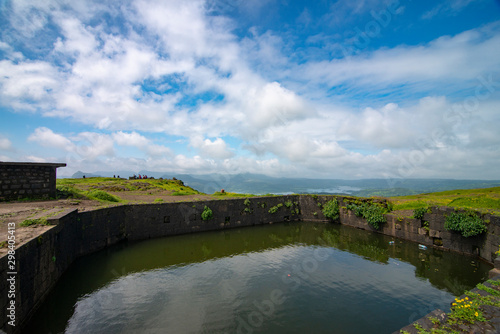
<point x="158" y="200"/>
<point x="466" y="310"/>
<point x="331" y="209"/>
<point x="102" y="196"/>
<point x="418" y="213"/>
<point x="288" y="204"/>
<point x="274" y="209"/>
<point x="372" y="212"/>
<point x="207" y="213"/>
<point x="37" y="221"/>
<point x="247" y="202"/>
<point x="467" y="223"/>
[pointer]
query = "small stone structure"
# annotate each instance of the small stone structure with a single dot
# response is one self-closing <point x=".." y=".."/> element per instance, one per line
<point x="27" y="180"/>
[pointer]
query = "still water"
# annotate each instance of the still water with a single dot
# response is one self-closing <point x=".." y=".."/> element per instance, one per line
<point x="296" y="277"/>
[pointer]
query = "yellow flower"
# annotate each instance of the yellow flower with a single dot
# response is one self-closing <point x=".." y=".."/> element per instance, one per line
<point x="477" y="314"/>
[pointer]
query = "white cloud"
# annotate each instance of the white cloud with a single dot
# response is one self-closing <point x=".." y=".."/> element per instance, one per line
<point x="95" y="145"/>
<point x="5" y="144"/>
<point x="130" y="139"/>
<point x="449" y="59"/>
<point x="141" y="142"/>
<point x="216" y="149"/>
<point x="47" y="138"/>
<point x="155" y="74"/>
<point x="448" y="7"/>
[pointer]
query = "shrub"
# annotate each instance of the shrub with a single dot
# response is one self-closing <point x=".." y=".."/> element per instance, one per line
<point x="419" y="213"/>
<point x="467" y="223"/>
<point x="207" y="213"/>
<point x="372" y="212"/>
<point x="102" y="195"/>
<point x="288" y="204"/>
<point x="331" y="209"/>
<point x="247" y="202"/>
<point x="274" y="209"/>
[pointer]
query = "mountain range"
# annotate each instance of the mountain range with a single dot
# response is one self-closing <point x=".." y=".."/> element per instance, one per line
<point x="262" y="184"/>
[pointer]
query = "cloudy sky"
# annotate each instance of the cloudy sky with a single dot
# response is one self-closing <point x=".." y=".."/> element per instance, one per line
<point x="330" y="89"/>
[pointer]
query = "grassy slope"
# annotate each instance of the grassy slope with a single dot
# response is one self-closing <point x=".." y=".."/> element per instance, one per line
<point x="86" y="188"/>
<point x="484" y="200"/>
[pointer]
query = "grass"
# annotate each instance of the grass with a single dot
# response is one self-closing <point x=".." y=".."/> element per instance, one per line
<point x="37" y="221"/>
<point x="99" y="187"/>
<point x="101" y="195"/>
<point x="483" y="200"/>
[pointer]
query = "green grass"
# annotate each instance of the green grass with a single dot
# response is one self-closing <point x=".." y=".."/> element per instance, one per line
<point x="102" y="196"/>
<point x="37" y="221"/>
<point x="484" y="200"/>
<point x="82" y="187"/>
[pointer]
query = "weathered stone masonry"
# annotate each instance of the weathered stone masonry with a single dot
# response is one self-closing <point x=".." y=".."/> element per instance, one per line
<point x="28" y="180"/>
<point x="42" y="261"/>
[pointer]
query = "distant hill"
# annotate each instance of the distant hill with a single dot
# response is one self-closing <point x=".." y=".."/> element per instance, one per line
<point x="262" y="184"/>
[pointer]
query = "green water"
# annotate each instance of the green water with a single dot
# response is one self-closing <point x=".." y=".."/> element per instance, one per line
<point x="295" y="277"/>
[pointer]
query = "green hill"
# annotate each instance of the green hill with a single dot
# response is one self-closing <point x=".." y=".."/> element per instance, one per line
<point x="485" y="200"/>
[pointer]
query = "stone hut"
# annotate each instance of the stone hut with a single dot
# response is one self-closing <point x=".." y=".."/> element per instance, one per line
<point x="28" y="180"/>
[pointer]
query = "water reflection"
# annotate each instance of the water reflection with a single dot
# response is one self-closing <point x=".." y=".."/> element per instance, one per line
<point x="219" y="282"/>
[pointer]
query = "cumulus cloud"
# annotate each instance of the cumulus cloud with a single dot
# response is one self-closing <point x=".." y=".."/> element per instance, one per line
<point x="425" y="66"/>
<point x="5" y="144"/>
<point x="178" y="70"/>
<point x="141" y="142"/>
<point x="47" y="138"/>
<point x="216" y="149"/>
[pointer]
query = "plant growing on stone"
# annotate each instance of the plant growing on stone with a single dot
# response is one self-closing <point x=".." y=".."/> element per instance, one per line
<point x="466" y="223"/>
<point x="419" y="213"/>
<point x="372" y="212"/>
<point x="207" y="213"/>
<point x="331" y="209"/>
<point x="274" y="209"/>
<point x="37" y="221"/>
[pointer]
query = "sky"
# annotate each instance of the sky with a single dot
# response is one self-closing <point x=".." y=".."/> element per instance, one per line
<point x="317" y="89"/>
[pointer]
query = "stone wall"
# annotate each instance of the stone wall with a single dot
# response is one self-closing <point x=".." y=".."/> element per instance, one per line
<point x="42" y="261"/>
<point x="27" y="180"/>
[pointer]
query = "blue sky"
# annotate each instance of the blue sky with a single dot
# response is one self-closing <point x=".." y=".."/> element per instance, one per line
<point x="330" y="89"/>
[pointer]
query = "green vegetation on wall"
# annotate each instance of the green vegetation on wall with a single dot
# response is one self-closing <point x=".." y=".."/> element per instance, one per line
<point x="467" y="223"/>
<point x="419" y="213"/>
<point x="37" y="221"/>
<point x="275" y="208"/>
<point x="372" y="212"/>
<point x="331" y="209"/>
<point x="207" y="213"/>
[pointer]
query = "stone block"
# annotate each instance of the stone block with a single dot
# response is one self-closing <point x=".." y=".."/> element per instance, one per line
<point x="434" y="234"/>
<point x="423" y="231"/>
